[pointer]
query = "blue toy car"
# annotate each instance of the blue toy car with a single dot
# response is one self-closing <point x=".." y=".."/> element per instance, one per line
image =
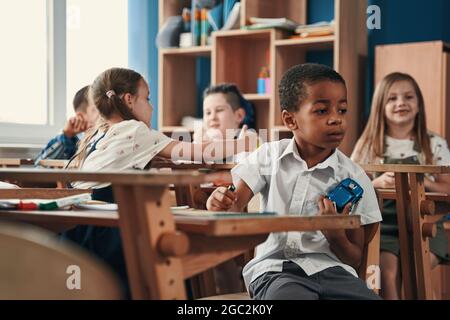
<point x="346" y="191"/>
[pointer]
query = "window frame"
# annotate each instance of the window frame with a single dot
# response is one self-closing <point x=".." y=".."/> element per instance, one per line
<point x="12" y="134"/>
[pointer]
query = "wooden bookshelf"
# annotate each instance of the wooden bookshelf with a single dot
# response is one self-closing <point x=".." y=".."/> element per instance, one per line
<point x="238" y="55"/>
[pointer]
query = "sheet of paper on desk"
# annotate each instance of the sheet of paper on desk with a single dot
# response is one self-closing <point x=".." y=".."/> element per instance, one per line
<point x="7" y="205"/>
<point x="205" y="213"/>
<point x="105" y="206"/>
<point x="96" y="205"/>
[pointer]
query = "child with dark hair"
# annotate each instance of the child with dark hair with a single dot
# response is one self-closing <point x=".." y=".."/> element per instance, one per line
<point x="64" y="145"/>
<point x="225" y="112"/>
<point x="293" y="175"/>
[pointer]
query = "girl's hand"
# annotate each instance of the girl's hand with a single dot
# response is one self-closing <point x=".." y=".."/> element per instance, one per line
<point x="221" y="199"/>
<point x="385" y="181"/>
<point x="208" y="135"/>
<point x="327" y="208"/>
<point x="212" y="134"/>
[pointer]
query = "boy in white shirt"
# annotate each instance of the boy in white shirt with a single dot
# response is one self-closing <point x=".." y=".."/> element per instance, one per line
<point x="293" y="176"/>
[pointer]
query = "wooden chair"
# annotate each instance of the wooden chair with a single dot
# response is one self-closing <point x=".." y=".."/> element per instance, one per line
<point x="416" y="216"/>
<point x="34" y="265"/>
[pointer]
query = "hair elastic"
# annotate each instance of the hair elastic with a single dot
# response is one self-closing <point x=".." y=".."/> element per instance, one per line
<point x="110" y="93"/>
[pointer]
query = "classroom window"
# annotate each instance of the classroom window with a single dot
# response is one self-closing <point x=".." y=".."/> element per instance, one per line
<point x="97" y="39"/>
<point x="50" y="49"/>
<point x="23" y="61"/>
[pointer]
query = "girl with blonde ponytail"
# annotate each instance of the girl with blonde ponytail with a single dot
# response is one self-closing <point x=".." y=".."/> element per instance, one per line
<point x="123" y="140"/>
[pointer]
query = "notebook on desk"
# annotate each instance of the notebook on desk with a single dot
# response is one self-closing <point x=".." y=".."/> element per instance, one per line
<point x="106" y="206"/>
<point x="224" y="214"/>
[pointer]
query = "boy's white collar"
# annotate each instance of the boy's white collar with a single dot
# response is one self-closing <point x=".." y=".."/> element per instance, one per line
<point x="291" y="148"/>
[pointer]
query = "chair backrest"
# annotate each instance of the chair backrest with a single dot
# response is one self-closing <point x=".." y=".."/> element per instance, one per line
<point x="35" y="265"/>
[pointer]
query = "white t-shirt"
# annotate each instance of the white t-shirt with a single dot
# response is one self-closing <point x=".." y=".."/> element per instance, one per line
<point x="404" y="148"/>
<point x="289" y="187"/>
<point x="126" y="145"/>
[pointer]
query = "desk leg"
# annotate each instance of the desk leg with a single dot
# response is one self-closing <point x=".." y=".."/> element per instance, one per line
<point x="185" y="195"/>
<point x="406" y="248"/>
<point x="421" y="243"/>
<point x="128" y="230"/>
<point x="152" y="275"/>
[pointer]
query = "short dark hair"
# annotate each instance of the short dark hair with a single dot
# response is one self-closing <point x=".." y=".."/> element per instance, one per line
<point x="231" y="92"/>
<point x="235" y="99"/>
<point x="292" y="89"/>
<point x="80" y="101"/>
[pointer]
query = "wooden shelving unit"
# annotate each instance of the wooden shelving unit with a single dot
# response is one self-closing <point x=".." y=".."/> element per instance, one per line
<point x="238" y="55"/>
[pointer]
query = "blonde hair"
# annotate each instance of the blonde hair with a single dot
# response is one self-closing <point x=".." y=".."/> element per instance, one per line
<point x="119" y="81"/>
<point x="371" y="144"/>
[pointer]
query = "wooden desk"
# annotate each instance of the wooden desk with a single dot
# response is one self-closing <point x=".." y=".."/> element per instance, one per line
<point x="194" y="195"/>
<point x="161" y="250"/>
<point x="414" y="229"/>
<point x="13" y="162"/>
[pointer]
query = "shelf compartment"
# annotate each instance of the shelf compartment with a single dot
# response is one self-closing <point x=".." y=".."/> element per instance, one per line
<point x="262" y="110"/>
<point x="291" y="52"/>
<point x="168" y="8"/>
<point x="239" y="56"/>
<point x="294" y="10"/>
<point x="178" y="92"/>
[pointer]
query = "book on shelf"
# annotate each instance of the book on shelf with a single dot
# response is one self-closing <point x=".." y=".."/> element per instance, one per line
<point x="204" y="27"/>
<point x="233" y="18"/>
<point x="316" y="29"/>
<point x="228" y="7"/>
<point x="265" y="23"/>
<point x="215" y="17"/>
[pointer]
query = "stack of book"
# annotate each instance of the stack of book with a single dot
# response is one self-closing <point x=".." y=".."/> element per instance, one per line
<point x="315" y="30"/>
<point x="268" y="23"/>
